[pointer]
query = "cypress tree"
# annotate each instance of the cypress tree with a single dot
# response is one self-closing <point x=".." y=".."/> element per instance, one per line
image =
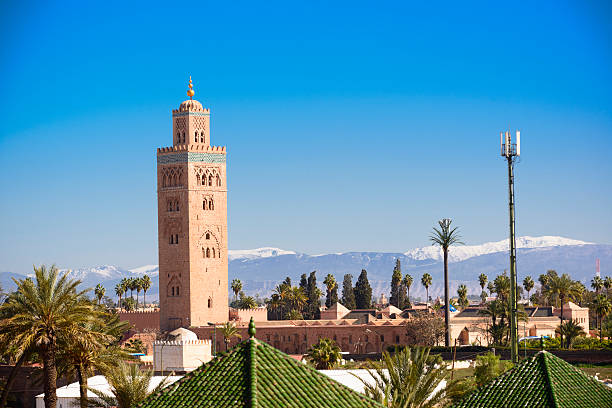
<point x="396" y="280"/>
<point x="304" y="283"/>
<point x="348" y="295"/>
<point x="363" y="291"/>
<point x="313" y="308"/>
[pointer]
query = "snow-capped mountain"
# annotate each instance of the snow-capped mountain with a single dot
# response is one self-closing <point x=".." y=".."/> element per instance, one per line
<point x="265" y="252"/>
<point x="261" y="269"/>
<point x="462" y="252"/>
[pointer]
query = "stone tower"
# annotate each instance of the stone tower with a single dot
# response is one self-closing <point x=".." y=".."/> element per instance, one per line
<point x="192" y="222"/>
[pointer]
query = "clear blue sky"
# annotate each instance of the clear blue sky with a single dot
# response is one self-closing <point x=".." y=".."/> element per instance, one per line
<point x="349" y="125"/>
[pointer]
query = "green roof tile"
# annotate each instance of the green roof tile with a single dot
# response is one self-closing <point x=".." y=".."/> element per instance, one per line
<point x="541" y="381"/>
<point x="255" y="374"/>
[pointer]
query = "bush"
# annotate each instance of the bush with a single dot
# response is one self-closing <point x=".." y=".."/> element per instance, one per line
<point x="591" y="343"/>
<point x="489" y="367"/>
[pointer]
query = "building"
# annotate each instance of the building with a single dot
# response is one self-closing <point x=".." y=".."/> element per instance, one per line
<point x="254" y="374"/>
<point x="192" y="222"/>
<point x="184" y="353"/>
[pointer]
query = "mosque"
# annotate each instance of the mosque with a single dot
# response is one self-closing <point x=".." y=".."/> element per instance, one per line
<point x="193" y="264"/>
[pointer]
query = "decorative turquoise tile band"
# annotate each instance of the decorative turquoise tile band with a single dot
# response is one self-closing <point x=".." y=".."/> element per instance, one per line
<point x="190" y="157"/>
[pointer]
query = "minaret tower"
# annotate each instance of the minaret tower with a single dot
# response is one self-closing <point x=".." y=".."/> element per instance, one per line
<point x="192" y="222"/>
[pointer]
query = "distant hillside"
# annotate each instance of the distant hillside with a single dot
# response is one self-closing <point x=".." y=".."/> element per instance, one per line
<point x="262" y="269"/>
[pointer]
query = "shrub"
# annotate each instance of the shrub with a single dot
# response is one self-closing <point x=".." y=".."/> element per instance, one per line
<point x="489" y="367"/>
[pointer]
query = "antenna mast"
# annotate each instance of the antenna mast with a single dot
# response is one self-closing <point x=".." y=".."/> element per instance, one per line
<point x="511" y="151"/>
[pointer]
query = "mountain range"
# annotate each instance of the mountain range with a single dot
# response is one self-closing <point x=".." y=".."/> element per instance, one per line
<point x="263" y="268"/>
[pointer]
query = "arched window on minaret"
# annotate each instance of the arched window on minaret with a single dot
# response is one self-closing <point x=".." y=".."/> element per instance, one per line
<point x="202" y="139"/>
<point x="213" y="253"/>
<point x="210" y="180"/>
<point x="208" y="252"/>
<point x="218" y="181"/>
<point x="211" y="205"/>
<point x="209" y="303"/>
<point x="208" y="235"/>
<point x="204" y="206"/>
<point x="177" y="205"/>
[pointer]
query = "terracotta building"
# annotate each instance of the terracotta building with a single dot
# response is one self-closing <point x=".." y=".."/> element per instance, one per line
<point x="192" y="222"/>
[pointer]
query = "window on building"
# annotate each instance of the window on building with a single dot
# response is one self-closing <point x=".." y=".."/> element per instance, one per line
<point x="177" y="206"/>
<point x="211" y="205"/>
<point x="208" y="252"/>
<point x="397" y="340"/>
<point x="218" y="181"/>
<point x="176" y="238"/>
<point x="208" y="235"/>
<point x="213" y="253"/>
<point x="382" y="338"/>
<point x="177" y="291"/>
<point x="209" y="302"/>
<point x="173" y="291"/>
<point x="210" y="180"/>
<point x="171" y="241"/>
<point x="204" y="206"/>
<point x="350" y="339"/>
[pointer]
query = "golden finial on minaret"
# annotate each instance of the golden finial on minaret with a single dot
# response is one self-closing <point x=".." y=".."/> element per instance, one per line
<point x="190" y="92"/>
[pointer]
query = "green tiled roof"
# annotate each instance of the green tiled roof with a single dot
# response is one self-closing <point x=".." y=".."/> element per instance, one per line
<point x="254" y="374"/>
<point x="541" y="381"/>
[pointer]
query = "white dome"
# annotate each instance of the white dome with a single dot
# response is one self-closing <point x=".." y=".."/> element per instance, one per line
<point x="182" y="334"/>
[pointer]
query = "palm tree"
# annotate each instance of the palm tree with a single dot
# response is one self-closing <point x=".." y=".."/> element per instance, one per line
<point x="129" y="386"/>
<point x="408" y="283"/>
<point x="607" y="284"/>
<point x="99" y="292"/>
<point x="426" y="281"/>
<point x="597" y="283"/>
<point x="409" y="378"/>
<point x="569" y="330"/>
<point x="146" y="285"/>
<point x="482" y="279"/>
<point x="228" y="330"/>
<point x="42" y="311"/>
<point x="528" y="284"/>
<point x="138" y="288"/>
<point x="236" y="288"/>
<point x="330" y="283"/>
<point x="119" y="291"/>
<point x="247" y="302"/>
<point x="98" y="350"/>
<point x="463" y="300"/>
<point x="563" y="287"/>
<point x="296" y="298"/>
<point x="602" y="307"/>
<point x="325" y="354"/>
<point x="445" y="237"/>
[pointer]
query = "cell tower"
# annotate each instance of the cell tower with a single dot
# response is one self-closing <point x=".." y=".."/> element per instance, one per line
<point x="511" y="151"/>
<point x="597" y="272"/>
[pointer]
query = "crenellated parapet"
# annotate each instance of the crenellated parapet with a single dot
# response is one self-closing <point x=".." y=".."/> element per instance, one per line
<point x="181" y="342"/>
<point x="191" y="148"/>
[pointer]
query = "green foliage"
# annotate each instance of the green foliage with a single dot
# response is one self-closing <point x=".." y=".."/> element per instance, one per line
<point x="426" y="281"/>
<point x="129" y="304"/>
<point x="592" y="343"/>
<point x="363" y="291"/>
<point x="568" y="331"/>
<point x="135" y="346"/>
<point x="528" y="284"/>
<point x="129" y="386"/>
<point x="236" y="287"/>
<point x="410" y="381"/>
<point x="396" y="281"/>
<point x="332" y="290"/>
<point x="406" y="284"/>
<point x="325" y="354"/>
<point x="463" y="300"/>
<point x="99" y="291"/>
<point x="313" y="302"/>
<point x="287" y="302"/>
<point x="489" y="367"/>
<point x="482" y="279"/>
<point x="46" y="312"/>
<point x="229" y="331"/>
<point x="348" y="294"/>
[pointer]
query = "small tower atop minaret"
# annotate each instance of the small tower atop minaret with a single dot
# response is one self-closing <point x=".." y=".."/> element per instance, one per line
<point x="191" y="122"/>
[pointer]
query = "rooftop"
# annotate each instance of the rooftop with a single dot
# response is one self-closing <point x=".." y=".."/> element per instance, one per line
<point x="541" y="381"/>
